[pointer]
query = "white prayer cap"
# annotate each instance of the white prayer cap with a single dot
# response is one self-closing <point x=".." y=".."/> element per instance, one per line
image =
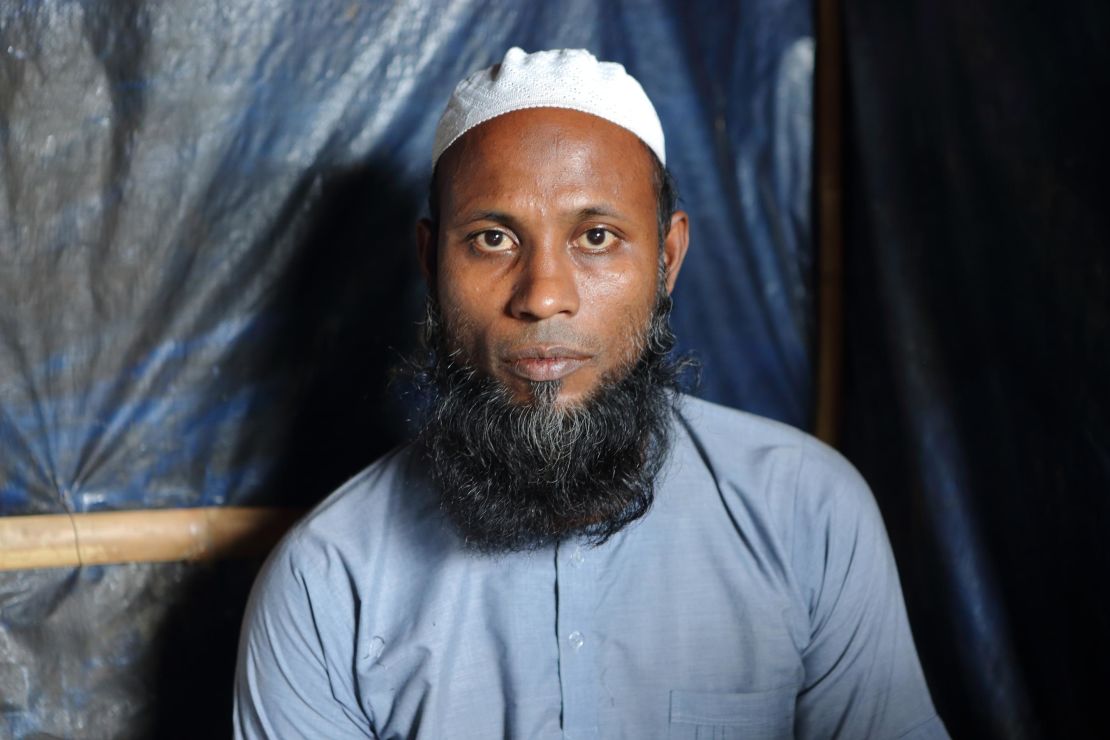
<point x="561" y="78"/>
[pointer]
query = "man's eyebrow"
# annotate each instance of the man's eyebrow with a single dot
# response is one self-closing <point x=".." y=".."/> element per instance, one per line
<point x="499" y="217"/>
<point x="602" y="210"/>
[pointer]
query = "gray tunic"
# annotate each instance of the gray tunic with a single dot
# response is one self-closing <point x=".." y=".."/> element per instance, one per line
<point x="757" y="599"/>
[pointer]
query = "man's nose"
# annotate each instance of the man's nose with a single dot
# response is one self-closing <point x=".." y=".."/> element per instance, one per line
<point x="546" y="285"/>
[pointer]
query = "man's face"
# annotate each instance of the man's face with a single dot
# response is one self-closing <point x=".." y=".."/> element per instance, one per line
<point x="546" y="256"/>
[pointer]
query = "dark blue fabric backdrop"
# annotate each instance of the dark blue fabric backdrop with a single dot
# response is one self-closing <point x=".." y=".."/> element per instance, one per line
<point x="207" y="270"/>
<point x="978" y="354"/>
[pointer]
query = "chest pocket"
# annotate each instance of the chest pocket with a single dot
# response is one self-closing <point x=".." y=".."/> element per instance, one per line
<point x="761" y="715"/>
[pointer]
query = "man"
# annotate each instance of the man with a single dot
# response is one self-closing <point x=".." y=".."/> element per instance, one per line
<point x="573" y="549"/>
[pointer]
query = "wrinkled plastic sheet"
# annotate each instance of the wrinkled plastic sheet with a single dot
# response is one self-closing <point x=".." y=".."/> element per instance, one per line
<point x="127" y="651"/>
<point x="207" y="271"/>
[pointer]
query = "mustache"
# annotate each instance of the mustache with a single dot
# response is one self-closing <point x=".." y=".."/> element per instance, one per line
<point x="546" y="341"/>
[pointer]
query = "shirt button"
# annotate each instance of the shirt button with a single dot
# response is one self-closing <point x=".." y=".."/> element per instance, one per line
<point x="576" y="557"/>
<point x="576" y="640"/>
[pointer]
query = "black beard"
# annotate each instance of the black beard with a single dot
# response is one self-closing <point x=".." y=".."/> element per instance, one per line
<point x="520" y="476"/>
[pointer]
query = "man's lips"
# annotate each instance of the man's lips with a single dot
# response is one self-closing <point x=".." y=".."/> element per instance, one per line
<point x="539" y="363"/>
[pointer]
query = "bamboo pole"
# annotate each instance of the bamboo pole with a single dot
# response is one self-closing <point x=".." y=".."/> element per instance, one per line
<point x="828" y="121"/>
<point x="146" y="536"/>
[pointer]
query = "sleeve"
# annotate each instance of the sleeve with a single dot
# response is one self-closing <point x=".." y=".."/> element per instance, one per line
<point x="862" y="674"/>
<point x="286" y="683"/>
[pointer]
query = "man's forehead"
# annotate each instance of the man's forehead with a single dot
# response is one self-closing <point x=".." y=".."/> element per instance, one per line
<point x="556" y="132"/>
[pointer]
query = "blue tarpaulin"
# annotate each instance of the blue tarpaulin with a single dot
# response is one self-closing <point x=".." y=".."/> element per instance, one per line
<point x="207" y="270"/>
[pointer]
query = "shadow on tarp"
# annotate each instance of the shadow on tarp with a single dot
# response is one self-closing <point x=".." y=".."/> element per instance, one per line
<point x="196" y="649"/>
<point x="347" y="308"/>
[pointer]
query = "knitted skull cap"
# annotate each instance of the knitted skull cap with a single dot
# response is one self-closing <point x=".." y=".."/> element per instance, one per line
<point x="560" y="78"/>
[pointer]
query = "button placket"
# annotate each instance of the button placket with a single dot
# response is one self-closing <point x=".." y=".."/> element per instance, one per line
<point x="577" y="664"/>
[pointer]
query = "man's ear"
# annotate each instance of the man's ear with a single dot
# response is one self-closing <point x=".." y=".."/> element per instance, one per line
<point x="675" y="245"/>
<point x="426" y="238"/>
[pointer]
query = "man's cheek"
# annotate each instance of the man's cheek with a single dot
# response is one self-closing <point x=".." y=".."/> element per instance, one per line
<point x="464" y="340"/>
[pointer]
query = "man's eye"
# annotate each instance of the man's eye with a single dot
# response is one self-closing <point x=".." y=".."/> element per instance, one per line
<point x="492" y="241"/>
<point x="597" y="240"/>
